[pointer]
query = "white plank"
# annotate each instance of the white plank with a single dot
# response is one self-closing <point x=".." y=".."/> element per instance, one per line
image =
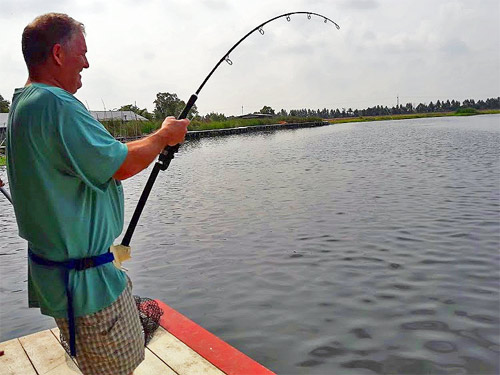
<point x="152" y="365"/>
<point x="57" y="334"/>
<point x="47" y="355"/>
<point x="179" y="356"/>
<point x="15" y="361"/>
<point x="55" y="331"/>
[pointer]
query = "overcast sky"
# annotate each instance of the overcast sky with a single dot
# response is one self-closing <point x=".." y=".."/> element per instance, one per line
<point x="421" y="50"/>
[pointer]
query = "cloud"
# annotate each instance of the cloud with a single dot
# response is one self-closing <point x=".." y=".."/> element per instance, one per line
<point x="216" y="4"/>
<point x="29" y="9"/>
<point x="360" y="4"/>
<point x="455" y="47"/>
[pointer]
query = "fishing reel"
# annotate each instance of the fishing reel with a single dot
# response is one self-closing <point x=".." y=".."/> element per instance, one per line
<point x="166" y="156"/>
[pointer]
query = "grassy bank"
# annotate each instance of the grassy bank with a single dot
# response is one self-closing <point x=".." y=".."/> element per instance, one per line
<point x="236" y="123"/>
<point x="2" y="160"/>
<point x="465" y="112"/>
<point x="121" y="129"/>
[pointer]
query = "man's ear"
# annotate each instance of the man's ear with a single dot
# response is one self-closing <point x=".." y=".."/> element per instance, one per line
<point x="57" y="54"/>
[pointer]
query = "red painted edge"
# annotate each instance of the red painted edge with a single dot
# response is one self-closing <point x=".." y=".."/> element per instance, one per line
<point x="222" y="355"/>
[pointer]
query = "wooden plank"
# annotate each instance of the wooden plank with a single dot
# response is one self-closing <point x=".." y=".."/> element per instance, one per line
<point x="47" y="355"/>
<point x="153" y="365"/>
<point x="15" y="361"/>
<point x="57" y="334"/>
<point x="55" y="331"/>
<point x="179" y="356"/>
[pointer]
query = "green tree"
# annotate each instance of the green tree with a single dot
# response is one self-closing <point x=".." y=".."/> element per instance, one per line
<point x="267" y="110"/>
<point x="142" y="112"/>
<point x="421" y="108"/>
<point x="493" y="103"/>
<point x="167" y="104"/>
<point x="215" y="116"/>
<point x="470" y="103"/>
<point x="4" y="105"/>
<point x="283" y="113"/>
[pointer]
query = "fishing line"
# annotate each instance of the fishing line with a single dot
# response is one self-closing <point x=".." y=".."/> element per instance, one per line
<point x="167" y="154"/>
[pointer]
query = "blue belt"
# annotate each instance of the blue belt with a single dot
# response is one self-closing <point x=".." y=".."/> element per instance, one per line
<point x="72" y="264"/>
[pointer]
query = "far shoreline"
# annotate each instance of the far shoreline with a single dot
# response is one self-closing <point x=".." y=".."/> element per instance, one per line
<point x="343" y="120"/>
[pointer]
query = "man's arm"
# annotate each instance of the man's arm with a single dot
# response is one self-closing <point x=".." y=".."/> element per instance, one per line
<point x="143" y="151"/>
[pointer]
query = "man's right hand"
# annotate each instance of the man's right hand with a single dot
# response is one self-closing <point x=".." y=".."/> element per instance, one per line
<point x="174" y="130"/>
<point x="143" y="151"/>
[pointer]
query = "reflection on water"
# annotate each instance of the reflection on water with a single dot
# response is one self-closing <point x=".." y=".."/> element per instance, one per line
<point x="349" y="249"/>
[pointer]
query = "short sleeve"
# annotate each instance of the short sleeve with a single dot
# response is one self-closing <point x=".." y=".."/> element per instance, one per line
<point x="91" y="152"/>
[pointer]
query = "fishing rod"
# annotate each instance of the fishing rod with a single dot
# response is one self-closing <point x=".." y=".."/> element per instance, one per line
<point x="6" y="193"/>
<point x="168" y="153"/>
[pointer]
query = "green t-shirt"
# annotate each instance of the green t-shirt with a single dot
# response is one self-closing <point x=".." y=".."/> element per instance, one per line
<point x="60" y="163"/>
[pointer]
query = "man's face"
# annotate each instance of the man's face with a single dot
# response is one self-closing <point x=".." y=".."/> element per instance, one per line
<point x="73" y="63"/>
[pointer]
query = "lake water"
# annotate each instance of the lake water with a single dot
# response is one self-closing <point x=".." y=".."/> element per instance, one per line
<point x="348" y="249"/>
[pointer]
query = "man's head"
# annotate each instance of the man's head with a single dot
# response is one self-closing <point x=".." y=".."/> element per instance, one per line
<point x="54" y="47"/>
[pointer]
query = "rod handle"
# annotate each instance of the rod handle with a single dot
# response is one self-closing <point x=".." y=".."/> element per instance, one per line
<point x="188" y="107"/>
<point x="167" y="154"/>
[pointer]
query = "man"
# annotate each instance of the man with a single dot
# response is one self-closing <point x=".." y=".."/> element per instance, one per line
<point x="64" y="171"/>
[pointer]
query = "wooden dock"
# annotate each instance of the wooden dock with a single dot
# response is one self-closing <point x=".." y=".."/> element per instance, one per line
<point x="194" y="351"/>
<point x="41" y="353"/>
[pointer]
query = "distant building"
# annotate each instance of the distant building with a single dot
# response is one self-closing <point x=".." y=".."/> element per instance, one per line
<point x="3" y="126"/>
<point x="3" y="119"/>
<point x="117" y="115"/>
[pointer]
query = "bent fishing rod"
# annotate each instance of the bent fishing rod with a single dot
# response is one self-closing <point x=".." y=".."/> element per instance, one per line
<point x="168" y="153"/>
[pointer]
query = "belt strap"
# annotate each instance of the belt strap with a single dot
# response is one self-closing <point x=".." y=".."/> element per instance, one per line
<point x="72" y="264"/>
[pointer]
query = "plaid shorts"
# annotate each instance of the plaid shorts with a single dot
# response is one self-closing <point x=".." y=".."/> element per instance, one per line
<point x="110" y="341"/>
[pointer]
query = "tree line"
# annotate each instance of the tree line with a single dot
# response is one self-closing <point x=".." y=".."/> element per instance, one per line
<point x="169" y="104"/>
<point x="409" y="108"/>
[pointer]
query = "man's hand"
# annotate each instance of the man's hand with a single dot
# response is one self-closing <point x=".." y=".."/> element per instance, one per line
<point x="143" y="151"/>
<point x="1" y="182"/>
<point x="173" y="130"/>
